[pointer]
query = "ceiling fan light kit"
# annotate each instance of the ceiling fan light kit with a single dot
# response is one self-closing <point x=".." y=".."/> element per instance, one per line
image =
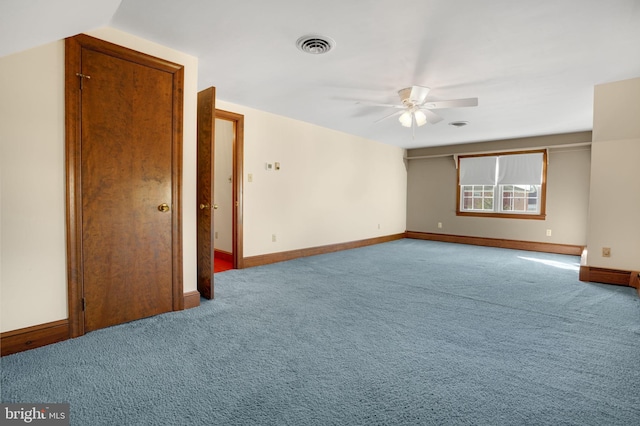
<point x="417" y="111"/>
<point x="420" y="117"/>
<point x="405" y="119"/>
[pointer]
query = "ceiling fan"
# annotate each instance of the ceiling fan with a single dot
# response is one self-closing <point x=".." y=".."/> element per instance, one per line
<point x="417" y="111"/>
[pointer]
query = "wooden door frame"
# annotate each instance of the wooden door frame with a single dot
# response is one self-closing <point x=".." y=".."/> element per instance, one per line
<point x="73" y="66"/>
<point x="238" y="165"/>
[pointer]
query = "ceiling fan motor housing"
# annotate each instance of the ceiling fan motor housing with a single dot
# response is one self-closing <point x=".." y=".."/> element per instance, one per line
<point x="414" y="95"/>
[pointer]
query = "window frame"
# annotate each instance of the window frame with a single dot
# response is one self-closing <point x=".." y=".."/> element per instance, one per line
<point x="541" y="215"/>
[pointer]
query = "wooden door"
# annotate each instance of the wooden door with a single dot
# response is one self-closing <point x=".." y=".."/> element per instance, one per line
<point x="125" y="198"/>
<point x="206" y="135"/>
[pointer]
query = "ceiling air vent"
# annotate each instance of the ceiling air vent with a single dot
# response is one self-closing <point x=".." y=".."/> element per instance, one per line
<point x="458" y="123"/>
<point x="315" y="44"/>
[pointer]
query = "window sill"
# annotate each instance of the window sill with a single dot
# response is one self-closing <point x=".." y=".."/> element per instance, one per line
<point x="503" y="215"/>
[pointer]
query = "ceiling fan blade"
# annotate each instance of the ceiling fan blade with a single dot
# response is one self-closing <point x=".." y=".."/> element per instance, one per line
<point x="453" y="103"/>
<point x="389" y="116"/>
<point x="419" y="94"/>
<point x="380" y="105"/>
<point x="432" y="117"/>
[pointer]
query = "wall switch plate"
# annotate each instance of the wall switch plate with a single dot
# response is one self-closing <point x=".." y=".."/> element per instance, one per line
<point x="268" y="166"/>
<point x="277" y="165"/>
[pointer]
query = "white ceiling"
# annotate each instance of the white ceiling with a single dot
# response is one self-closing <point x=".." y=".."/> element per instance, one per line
<point x="531" y="63"/>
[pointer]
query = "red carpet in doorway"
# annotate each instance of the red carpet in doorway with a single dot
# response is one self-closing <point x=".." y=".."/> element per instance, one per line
<point x="221" y="265"/>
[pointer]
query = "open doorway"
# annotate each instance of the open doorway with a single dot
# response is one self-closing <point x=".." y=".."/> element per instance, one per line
<point x="227" y="198"/>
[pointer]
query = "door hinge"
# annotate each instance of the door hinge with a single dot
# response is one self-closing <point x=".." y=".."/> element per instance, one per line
<point x="84" y="304"/>
<point x="82" y="77"/>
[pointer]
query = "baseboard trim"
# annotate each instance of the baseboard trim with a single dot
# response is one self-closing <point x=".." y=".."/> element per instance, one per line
<point x="609" y="276"/>
<point x="34" y="337"/>
<point x="191" y="299"/>
<point x="23" y="339"/>
<point x="500" y="243"/>
<point x="265" y="259"/>
<point x="634" y="281"/>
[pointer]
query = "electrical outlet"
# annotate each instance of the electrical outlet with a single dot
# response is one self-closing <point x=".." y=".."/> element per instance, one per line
<point x="378" y="226"/>
<point x="273" y="238"/>
<point x="439" y="225"/>
<point x="250" y="177"/>
<point x="548" y="232"/>
<point x="216" y="235"/>
<point x="606" y="251"/>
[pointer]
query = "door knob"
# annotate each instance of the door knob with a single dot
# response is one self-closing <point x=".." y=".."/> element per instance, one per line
<point x="164" y="207"/>
<point x="215" y="207"/>
<point x="204" y="206"/>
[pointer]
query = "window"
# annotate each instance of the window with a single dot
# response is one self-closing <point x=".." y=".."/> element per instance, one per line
<point x="502" y="185"/>
<point x="477" y="197"/>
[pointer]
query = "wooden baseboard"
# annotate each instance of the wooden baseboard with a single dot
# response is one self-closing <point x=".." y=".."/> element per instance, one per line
<point x="265" y="259"/>
<point x="191" y="299"/>
<point x="500" y="243"/>
<point x="635" y="281"/>
<point x="606" y="276"/>
<point x="23" y="339"/>
<point x="223" y="255"/>
<point x="34" y="337"/>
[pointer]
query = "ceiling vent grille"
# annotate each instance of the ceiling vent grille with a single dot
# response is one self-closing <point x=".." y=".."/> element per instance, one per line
<point x="458" y="123"/>
<point x="315" y="44"/>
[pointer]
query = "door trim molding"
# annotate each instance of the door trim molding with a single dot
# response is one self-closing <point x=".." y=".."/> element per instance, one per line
<point x="73" y="51"/>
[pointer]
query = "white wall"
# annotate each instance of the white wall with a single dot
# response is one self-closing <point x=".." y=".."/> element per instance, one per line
<point x="33" y="285"/>
<point x="614" y="209"/>
<point x="32" y="216"/>
<point x="432" y="185"/>
<point x="331" y="188"/>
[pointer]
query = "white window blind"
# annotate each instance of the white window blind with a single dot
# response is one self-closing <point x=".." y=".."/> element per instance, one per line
<point x="520" y="169"/>
<point x="478" y="170"/>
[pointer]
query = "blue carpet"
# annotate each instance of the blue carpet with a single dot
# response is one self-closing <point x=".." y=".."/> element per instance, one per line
<point x="403" y="333"/>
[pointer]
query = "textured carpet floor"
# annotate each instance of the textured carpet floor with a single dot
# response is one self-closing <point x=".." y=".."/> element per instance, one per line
<point x="403" y="333"/>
